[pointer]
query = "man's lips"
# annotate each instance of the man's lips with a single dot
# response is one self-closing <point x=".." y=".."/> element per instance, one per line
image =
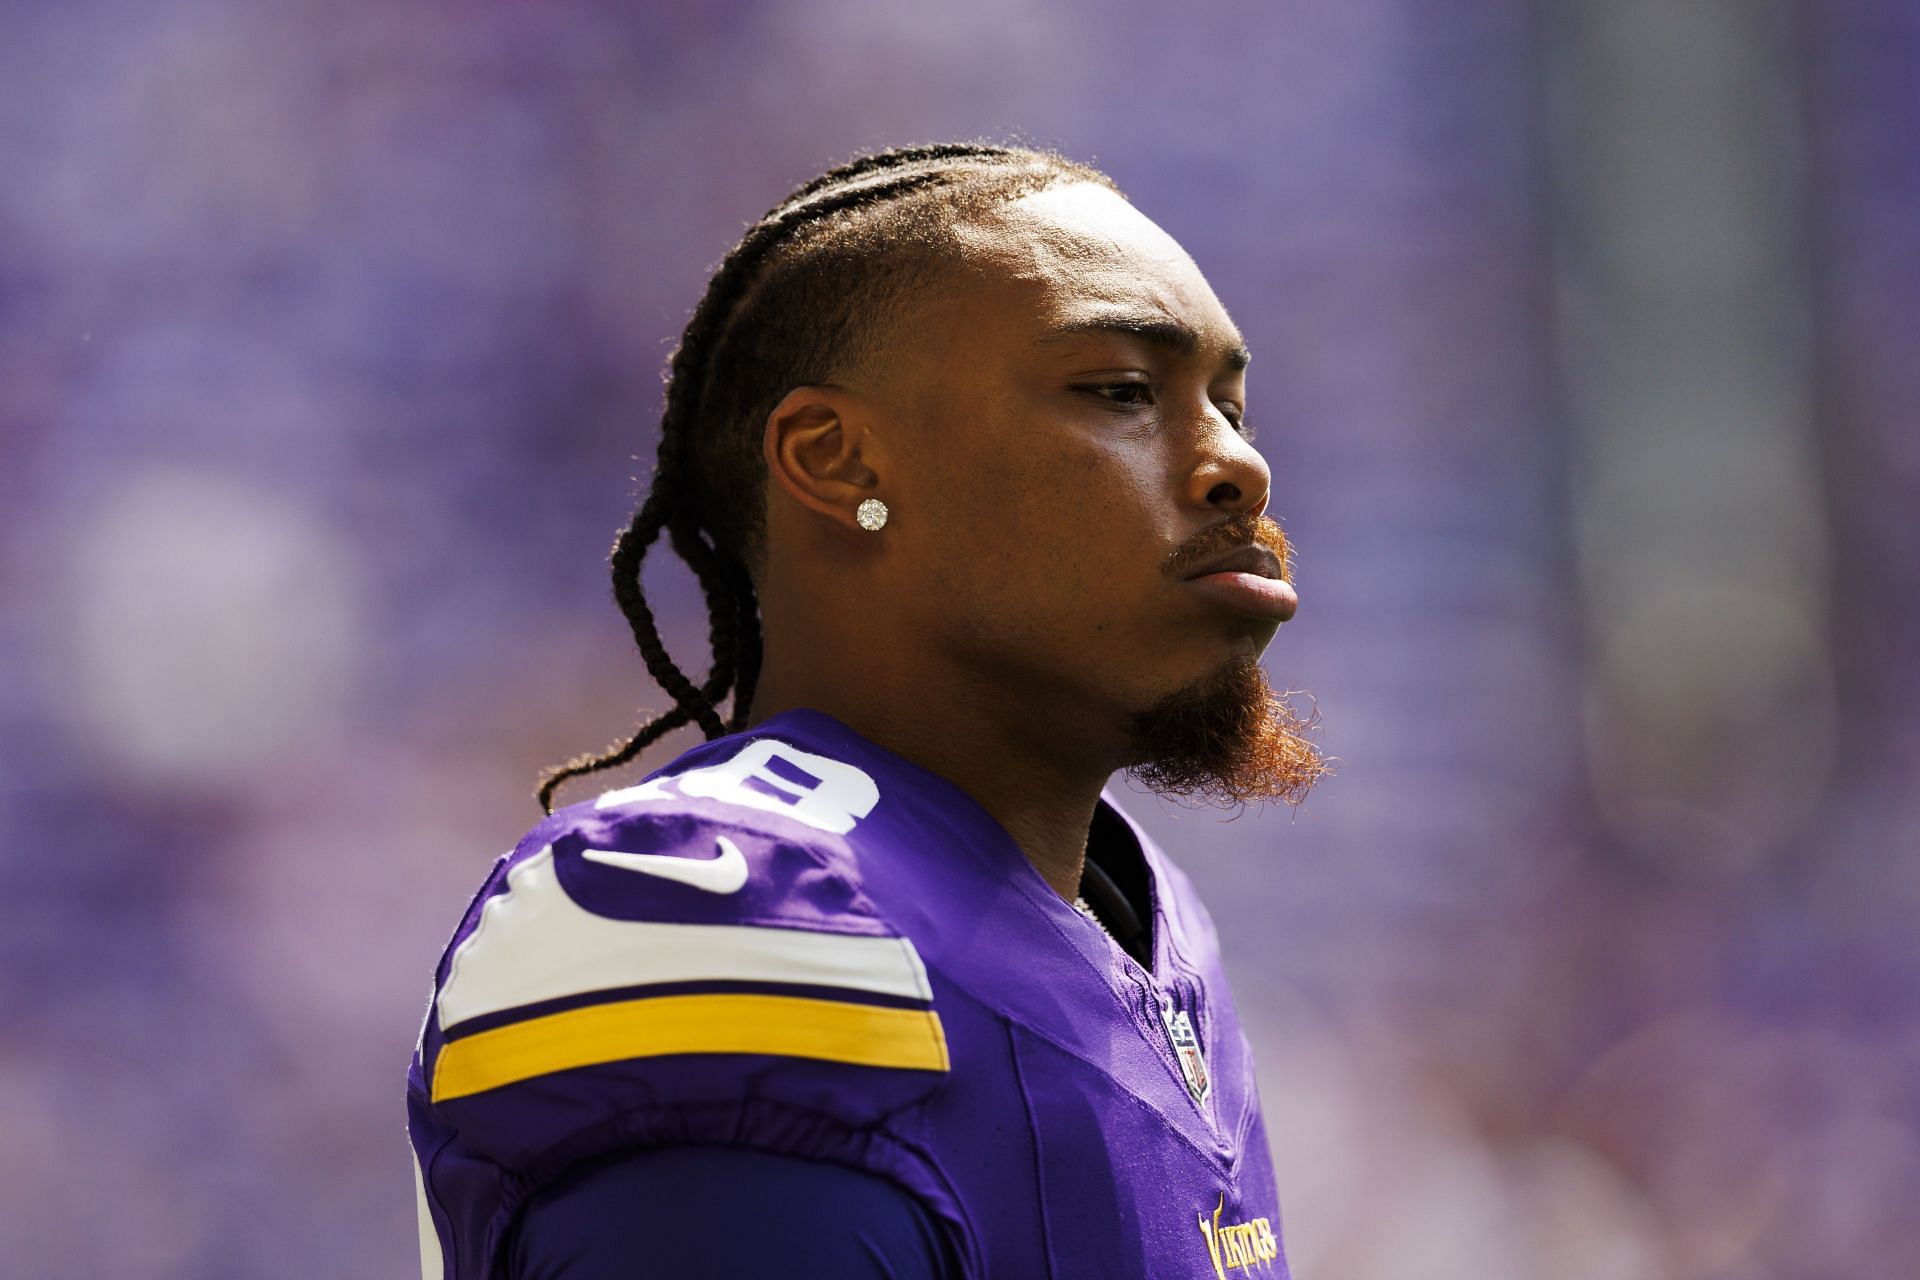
<point x="1247" y="580"/>
<point x="1252" y="558"/>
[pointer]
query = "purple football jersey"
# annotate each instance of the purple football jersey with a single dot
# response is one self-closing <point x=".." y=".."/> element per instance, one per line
<point x="793" y="940"/>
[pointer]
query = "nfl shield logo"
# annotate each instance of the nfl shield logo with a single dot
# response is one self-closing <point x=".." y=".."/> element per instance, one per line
<point x="1186" y="1048"/>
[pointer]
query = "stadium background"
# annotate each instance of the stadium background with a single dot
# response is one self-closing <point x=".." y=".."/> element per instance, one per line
<point x="1586" y="363"/>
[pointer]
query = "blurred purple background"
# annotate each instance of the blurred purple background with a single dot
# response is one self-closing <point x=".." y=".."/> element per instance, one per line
<point x="1586" y="337"/>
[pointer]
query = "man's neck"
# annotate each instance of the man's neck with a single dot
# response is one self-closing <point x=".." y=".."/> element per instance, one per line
<point x="1018" y="774"/>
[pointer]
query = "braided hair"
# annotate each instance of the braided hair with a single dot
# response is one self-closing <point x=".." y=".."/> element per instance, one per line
<point x="804" y="296"/>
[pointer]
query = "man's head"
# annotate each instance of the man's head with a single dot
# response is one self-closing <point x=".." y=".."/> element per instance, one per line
<point x="1049" y="398"/>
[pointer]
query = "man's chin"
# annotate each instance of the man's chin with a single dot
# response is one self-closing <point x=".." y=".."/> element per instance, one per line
<point x="1227" y="739"/>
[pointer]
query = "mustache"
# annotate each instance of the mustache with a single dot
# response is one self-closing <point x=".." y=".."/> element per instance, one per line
<point x="1244" y="530"/>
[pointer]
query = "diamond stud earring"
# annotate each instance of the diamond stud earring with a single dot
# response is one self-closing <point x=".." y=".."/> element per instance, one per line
<point x="872" y="515"/>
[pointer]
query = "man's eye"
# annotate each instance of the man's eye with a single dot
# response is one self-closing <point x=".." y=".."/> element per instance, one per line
<point x="1121" y="392"/>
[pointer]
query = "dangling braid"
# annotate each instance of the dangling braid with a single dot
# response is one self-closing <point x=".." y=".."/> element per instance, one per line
<point x="818" y="265"/>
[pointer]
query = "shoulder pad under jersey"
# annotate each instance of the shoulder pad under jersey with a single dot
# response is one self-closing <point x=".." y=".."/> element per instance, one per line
<point x="687" y="960"/>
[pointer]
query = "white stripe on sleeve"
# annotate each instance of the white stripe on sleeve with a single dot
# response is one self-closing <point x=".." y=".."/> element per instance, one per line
<point x="534" y="943"/>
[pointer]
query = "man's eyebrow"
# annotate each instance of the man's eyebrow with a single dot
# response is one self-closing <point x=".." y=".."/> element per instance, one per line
<point x="1161" y="331"/>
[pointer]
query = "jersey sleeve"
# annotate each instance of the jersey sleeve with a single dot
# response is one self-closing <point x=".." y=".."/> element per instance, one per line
<point x="679" y="1208"/>
<point x="662" y="967"/>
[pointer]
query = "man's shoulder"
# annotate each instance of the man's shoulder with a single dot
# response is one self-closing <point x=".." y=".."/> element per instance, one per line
<point x="714" y="908"/>
<point x="751" y="830"/>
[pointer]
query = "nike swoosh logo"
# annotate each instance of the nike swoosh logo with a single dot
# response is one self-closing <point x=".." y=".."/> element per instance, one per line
<point x="723" y="874"/>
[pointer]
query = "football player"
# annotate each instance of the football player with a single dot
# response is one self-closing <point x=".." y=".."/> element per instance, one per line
<point x="879" y="981"/>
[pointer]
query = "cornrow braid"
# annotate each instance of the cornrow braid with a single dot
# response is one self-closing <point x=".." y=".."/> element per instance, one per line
<point x="804" y="293"/>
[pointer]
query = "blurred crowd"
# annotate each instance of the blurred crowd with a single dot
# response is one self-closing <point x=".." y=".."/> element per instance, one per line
<point x="1584" y="335"/>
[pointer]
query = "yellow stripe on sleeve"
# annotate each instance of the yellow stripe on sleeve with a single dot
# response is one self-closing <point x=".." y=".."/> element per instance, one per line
<point x="790" y="1026"/>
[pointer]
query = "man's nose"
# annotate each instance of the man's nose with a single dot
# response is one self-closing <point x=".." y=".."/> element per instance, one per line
<point x="1230" y="475"/>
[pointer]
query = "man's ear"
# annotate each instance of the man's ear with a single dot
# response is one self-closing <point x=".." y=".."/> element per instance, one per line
<point x="822" y="452"/>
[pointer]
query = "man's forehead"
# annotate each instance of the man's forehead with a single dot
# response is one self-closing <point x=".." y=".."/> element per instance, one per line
<point x="1078" y="253"/>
